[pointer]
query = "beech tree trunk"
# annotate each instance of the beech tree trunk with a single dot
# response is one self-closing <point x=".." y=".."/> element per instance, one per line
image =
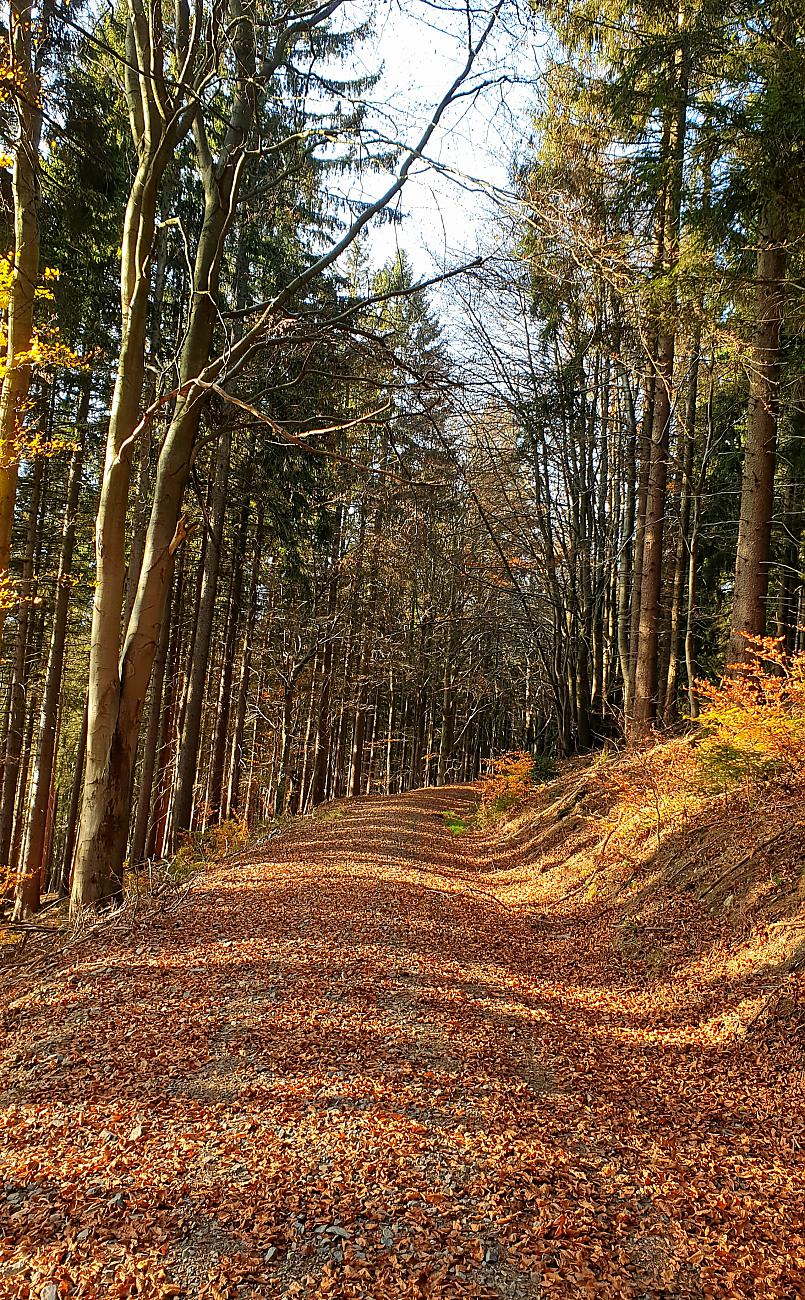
<point x="150" y="749"/>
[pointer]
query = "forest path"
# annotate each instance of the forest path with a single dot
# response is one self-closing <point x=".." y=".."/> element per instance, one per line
<point x="345" y="1067"/>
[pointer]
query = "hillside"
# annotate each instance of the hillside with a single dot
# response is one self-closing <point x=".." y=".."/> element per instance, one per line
<point x="386" y="1054"/>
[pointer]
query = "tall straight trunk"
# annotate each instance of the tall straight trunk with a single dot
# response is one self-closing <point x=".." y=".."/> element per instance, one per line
<point x="118" y="685"/>
<point x="681" y="564"/>
<point x="248" y="802"/>
<point x="74" y="807"/>
<point x="151" y="747"/>
<point x="359" y="659"/>
<point x="307" y="748"/>
<point x="641" y="512"/>
<point x="370" y="766"/>
<point x="757" y="489"/>
<point x="156" y="840"/>
<point x="118" y="691"/>
<point x="786" y="601"/>
<point x="199" y="668"/>
<point x="20" y="819"/>
<point x="16" y="728"/>
<point x="144" y="449"/>
<point x="97" y="873"/>
<point x="646" y="675"/>
<point x="323" y="719"/>
<point x="447" y="730"/>
<point x="27" y="98"/>
<point x="389" y="735"/>
<point x="239" y="723"/>
<point x="690" y="619"/>
<point x="625" y="565"/>
<point x="218" y="756"/>
<point x="31" y="871"/>
<point x="284" y="771"/>
<point x="221" y="712"/>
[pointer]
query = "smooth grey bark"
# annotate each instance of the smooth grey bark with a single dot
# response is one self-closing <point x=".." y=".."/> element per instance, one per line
<point x="150" y="748"/>
<point x="158" y="123"/>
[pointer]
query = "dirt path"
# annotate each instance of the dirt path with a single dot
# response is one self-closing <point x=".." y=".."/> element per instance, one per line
<point x="348" y="1068"/>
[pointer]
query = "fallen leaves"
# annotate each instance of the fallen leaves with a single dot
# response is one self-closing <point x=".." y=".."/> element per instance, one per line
<point x="353" y="1072"/>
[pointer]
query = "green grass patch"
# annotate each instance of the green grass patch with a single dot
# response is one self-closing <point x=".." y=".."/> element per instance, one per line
<point x="454" y="823"/>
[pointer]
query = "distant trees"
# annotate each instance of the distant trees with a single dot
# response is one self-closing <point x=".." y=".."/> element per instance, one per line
<point x="341" y="545"/>
<point x="641" y="319"/>
<point x="771" y="160"/>
<point x="226" y="120"/>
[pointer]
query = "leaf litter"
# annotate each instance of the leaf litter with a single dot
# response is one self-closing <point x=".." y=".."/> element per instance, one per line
<point x="362" y="1062"/>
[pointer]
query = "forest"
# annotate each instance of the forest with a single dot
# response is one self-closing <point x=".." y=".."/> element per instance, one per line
<point x="271" y="530"/>
<point x="402" y="468"/>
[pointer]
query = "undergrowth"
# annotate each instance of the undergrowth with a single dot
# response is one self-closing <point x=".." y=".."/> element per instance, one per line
<point x="748" y="748"/>
<point x="211" y="845"/>
<point x="753" y="722"/>
<point x="511" y="779"/>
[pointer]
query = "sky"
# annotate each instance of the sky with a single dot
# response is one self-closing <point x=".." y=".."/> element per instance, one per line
<point x="447" y="212"/>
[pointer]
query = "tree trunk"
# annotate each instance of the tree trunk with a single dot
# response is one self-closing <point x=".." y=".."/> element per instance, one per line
<point x="199" y="669"/>
<point x="16" y="726"/>
<point x="322" y="756"/>
<point x="20" y="316"/>
<point x="218" y="756"/>
<point x="757" y="489"/>
<point x="682" y="556"/>
<point x="31" y="872"/>
<point x="239" y="724"/>
<point x="646" y="675"/>
<point x="73" y="812"/>
<point x="151" y="747"/>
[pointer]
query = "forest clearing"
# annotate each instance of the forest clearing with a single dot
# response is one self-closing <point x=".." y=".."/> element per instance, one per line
<point x="389" y="1054"/>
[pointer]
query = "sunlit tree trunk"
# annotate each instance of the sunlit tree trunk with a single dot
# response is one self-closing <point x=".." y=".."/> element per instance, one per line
<point x="20" y="316"/>
<point x="646" y="676"/>
<point x="760" y="454"/>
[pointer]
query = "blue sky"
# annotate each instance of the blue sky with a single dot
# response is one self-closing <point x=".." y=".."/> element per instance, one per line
<point x="447" y="212"/>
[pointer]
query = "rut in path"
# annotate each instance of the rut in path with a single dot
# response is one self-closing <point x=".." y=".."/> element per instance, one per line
<point x="346" y="1067"/>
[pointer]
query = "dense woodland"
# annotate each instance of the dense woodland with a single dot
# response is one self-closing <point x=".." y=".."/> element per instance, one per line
<point x="280" y="523"/>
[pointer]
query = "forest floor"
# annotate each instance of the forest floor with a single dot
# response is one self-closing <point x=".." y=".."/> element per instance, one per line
<point x="378" y="1058"/>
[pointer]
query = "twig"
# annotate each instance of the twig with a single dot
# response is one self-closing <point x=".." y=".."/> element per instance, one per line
<point x="736" y="866"/>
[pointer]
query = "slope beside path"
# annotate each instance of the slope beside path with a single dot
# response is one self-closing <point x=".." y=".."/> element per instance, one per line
<point x="353" y="1065"/>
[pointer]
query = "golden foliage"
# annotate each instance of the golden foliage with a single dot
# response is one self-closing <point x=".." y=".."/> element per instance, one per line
<point x="754" y="719"/>
<point x="212" y="845"/>
<point x="47" y="352"/>
<point x="510" y="779"/>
